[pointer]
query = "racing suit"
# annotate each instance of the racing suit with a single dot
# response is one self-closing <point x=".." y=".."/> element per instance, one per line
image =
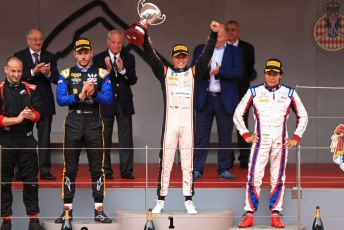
<point x="20" y="143"/>
<point x="178" y="86"/>
<point x="83" y="126"/>
<point x="271" y="109"/>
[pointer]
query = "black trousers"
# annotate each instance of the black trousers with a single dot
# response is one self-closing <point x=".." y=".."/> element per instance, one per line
<point x="83" y="130"/>
<point x="43" y="132"/>
<point x="125" y="139"/>
<point x="23" y="154"/>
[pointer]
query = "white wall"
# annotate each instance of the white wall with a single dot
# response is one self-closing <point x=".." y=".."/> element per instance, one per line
<point x="277" y="28"/>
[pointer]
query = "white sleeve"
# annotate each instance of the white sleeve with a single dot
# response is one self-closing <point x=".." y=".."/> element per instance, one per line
<point x="301" y="115"/>
<point x="240" y="111"/>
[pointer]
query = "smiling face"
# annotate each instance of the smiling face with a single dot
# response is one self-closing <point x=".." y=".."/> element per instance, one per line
<point x="13" y="70"/>
<point x="35" y="40"/>
<point x="180" y="61"/>
<point x="115" y="42"/>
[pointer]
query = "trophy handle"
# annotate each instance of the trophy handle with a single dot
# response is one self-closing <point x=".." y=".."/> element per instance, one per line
<point x="141" y="2"/>
<point x="162" y="18"/>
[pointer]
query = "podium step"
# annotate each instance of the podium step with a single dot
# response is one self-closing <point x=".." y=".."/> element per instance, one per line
<point x="287" y="227"/>
<point x="219" y="220"/>
<point x="81" y="224"/>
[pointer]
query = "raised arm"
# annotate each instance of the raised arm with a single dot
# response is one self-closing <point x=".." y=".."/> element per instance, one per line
<point x="202" y="64"/>
<point x="153" y="59"/>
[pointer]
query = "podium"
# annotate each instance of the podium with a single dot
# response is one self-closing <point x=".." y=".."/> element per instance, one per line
<point x="219" y="220"/>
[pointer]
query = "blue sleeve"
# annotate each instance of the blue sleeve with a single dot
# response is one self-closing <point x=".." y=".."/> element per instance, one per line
<point x="104" y="97"/>
<point x="62" y="97"/>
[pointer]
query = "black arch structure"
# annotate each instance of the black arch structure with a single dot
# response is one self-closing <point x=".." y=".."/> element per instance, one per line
<point x="98" y="20"/>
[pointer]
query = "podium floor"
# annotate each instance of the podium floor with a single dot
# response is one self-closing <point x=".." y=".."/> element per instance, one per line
<point x="311" y="177"/>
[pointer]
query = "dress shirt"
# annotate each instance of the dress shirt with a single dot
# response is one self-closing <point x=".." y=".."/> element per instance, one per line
<point x="215" y="85"/>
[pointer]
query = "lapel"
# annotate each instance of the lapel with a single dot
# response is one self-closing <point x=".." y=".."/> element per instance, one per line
<point x="43" y="57"/>
<point x="28" y="57"/>
<point x="226" y="54"/>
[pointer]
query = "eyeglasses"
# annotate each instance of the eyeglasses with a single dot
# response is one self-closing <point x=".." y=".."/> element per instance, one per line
<point x="36" y="39"/>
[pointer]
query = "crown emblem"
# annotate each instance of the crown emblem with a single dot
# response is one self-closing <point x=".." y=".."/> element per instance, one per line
<point x="332" y="7"/>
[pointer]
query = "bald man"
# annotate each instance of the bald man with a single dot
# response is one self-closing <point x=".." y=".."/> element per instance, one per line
<point x="20" y="109"/>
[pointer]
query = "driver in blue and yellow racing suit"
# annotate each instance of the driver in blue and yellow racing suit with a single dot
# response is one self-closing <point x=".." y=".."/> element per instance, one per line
<point x="82" y="88"/>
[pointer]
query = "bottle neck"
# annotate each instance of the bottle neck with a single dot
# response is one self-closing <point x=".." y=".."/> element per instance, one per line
<point x="317" y="213"/>
<point x="150" y="216"/>
<point x="67" y="215"/>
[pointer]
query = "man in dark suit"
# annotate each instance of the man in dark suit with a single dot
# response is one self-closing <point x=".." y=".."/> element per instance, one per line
<point x="121" y="66"/>
<point x="40" y="68"/>
<point x="217" y="97"/>
<point x="249" y="74"/>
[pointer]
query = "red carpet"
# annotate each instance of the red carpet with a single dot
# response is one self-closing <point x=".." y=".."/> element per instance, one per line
<point x="312" y="176"/>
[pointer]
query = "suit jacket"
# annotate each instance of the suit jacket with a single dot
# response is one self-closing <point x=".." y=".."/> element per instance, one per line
<point x="120" y="84"/>
<point x="43" y="83"/>
<point x="230" y="73"/>
<point x="249" y="73"/>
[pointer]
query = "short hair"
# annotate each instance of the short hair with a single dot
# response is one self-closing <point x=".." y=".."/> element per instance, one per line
<point x="28" y="34"/>
<point x="233" y="22"/>
<point x="12" y="58"/>
<point x="114" y="32"/>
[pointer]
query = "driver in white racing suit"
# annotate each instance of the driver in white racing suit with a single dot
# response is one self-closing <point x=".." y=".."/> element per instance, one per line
<point x="271" y="104"/>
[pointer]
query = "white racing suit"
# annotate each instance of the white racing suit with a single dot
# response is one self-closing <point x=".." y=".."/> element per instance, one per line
<point x="271" y="109"/>
<point x="178" y="86"/>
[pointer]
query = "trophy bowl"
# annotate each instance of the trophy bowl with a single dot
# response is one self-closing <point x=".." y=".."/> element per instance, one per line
<point x="150" y="14"/>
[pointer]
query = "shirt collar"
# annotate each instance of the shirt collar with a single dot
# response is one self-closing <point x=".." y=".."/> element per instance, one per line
<point x="273" y="89"/>
<point x="12" y="85"/>
<point x="84" y="70"/>
<point x="32" y="52"/>
<point x="236" y="43"/>
<point x="221" y="48"/>
<point x="112" y="55"/>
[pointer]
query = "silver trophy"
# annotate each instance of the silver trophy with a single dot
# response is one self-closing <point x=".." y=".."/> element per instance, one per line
<point x="150" y="14"/>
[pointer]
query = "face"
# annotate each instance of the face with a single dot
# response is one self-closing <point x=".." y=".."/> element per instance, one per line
<point x="83" y="58"/>
<point x="233" y="31"/>
<point x="272" y="79"/>
<point x="180" y="61"/>
<point x="35" y="40"/>
<point x="221" y="37"/>
<point x="13" y="70"/>
<point x="115" y="43"/>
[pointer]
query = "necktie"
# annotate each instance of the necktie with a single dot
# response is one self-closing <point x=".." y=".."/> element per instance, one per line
<point x="36" y="55"/>
<point x="114" y="65"/>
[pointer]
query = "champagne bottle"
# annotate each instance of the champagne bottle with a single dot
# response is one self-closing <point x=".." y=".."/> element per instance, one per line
<point x="317" y="223"/>
<point x="149" y="224"/>
<point x="66" y="224"/>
